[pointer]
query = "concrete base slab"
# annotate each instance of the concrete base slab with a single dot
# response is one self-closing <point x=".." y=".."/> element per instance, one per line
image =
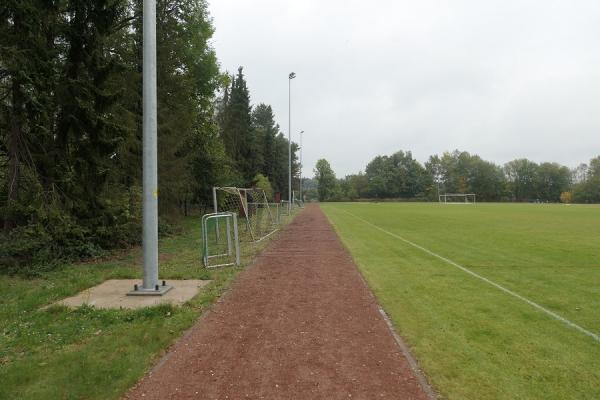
<point x="113" y="294"/>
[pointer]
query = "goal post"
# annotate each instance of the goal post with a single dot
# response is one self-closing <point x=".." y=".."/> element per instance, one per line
<point x="297" y="201"/>
<point x="220" y="240"/>
<point x="457" y="198"/>
<point x="257" y="219"/>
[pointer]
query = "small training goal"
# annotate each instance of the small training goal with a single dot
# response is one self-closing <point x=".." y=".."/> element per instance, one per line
<point x="457" y="198"/>
<point x="256" y="217"/>
<point x="297" y="200"/>
<point x="220" y="240"/>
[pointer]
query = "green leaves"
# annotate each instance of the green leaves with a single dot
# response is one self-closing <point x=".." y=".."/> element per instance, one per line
<point x="398" y="175"/>
<point x="327" y="183"/>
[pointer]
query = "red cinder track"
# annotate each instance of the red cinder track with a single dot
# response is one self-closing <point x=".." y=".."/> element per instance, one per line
<point x="298" y="324"/>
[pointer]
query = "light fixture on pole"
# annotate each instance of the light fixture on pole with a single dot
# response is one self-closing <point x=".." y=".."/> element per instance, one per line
<point x="300" y="175"/>
<point x="291" y="76"/>
<point x="150" y="284"/>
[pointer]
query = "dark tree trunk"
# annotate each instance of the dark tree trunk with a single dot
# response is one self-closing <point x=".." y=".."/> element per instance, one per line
<point x="14" y="149"/>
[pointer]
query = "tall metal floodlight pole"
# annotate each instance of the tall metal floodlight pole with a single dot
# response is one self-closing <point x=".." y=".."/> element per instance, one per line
<point x="301" y="196"/>
<point x="150" y="284"/>
<point x="290" y="77"/>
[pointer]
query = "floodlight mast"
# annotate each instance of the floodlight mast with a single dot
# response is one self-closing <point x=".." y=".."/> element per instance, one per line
<point x="301" y="196"/>
<point x="291" y="76"/>
<point x="150" y="284"/>
<point x="150" y="208"/>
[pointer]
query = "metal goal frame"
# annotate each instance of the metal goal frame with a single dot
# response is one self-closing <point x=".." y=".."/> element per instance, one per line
<point x="467" y="198"/>
<point x="252" y="206"/>
<point x="229" y="255"/>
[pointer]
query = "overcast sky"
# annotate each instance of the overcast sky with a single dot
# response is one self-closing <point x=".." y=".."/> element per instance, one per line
<point x="502" y="79"/>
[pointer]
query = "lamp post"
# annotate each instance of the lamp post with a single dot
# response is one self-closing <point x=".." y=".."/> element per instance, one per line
<point x="291" y="76"/>
<point x="300" y="186"/>
<point x="150" y="284"/>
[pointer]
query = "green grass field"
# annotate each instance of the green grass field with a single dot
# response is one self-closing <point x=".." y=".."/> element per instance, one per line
<point x="473" y="340"/>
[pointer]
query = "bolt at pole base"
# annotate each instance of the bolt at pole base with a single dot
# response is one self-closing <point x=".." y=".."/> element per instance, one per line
<point x="158" y="290"/>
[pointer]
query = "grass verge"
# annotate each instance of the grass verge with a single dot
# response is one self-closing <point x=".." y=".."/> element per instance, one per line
<point x="87" y="353"/>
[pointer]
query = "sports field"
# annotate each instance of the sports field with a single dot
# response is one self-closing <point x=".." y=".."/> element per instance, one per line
<point x="497" y="301"/>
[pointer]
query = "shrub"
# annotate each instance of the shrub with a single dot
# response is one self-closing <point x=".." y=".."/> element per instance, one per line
<point x="52" y="235"/>
<point x="566" y="197"/>
<point x="262" y="182"/>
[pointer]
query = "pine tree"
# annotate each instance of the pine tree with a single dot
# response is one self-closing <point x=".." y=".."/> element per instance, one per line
<point x="237" y="133"/>
<point x="265" y="130"/>
<point x="70" y="117"/>
<point x="87" y="135"/>
<point x="28" y="54"/>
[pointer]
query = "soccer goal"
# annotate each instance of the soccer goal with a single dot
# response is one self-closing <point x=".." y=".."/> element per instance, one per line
<point x="256" y="217"/>
<point x="297" y="200"/>
<point x="220" y="240"/>
<point x="457" y="198"/>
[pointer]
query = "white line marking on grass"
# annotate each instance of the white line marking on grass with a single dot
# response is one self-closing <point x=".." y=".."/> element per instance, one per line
<point x="483" y="278"/>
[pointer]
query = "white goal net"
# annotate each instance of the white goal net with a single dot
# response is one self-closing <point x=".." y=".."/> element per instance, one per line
<point x="297" y="200"/>
<point x="457" y="198"/>
<point x="256" y="218"/>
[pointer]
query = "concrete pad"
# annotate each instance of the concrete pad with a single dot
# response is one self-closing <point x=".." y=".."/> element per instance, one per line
<point x="113" y="294"/>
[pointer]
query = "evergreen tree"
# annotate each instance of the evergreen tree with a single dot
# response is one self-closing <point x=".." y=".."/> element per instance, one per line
<point x="280" y="174"/>
<point x="70" y="120"/>
<point x="252" y="139"/>
<point x="237" y="128"/>
<point x="266" y="130"/>
<point x="28" y="55"/>
<point x="87" y="135"/>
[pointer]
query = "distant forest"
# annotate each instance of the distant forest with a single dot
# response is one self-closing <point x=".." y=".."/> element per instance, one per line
<point x="70" y="125"/>
<point x="400" y="176"/>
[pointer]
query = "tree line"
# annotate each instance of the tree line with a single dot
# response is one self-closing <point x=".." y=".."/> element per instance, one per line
<point x="400" y="176"/>
<point x="257" y="147"/>
<point x="70" y="124"/>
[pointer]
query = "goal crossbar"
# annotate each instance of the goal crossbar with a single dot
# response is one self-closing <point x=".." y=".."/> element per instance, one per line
<point x="457" y="198"/>
<point x="252" y="207"/>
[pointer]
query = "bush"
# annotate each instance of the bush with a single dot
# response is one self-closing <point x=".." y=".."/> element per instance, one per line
<point x="52" y="236"/>
<point x="42" y="246"/>
<point x="566" y="197"/>
<point x="262" y="182"/>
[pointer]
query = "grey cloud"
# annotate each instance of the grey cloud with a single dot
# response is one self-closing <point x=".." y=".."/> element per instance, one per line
<point x="503" y="79"/>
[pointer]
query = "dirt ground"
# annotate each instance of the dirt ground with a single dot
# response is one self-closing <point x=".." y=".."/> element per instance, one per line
<point x="300" y="323"/>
